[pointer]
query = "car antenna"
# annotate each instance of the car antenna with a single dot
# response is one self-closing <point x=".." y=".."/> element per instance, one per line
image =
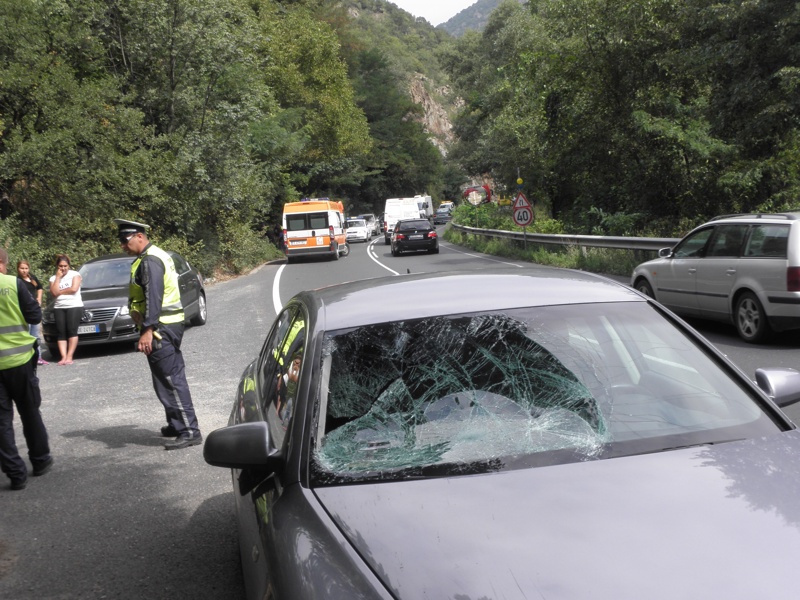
<point x="408" y="271"/>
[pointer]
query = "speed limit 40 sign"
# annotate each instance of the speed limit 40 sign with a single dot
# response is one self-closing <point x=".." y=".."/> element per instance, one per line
<point x="523" y="211"/>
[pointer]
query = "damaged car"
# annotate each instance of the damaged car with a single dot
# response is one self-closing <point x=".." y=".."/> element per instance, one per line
<point x="513" y="434"/>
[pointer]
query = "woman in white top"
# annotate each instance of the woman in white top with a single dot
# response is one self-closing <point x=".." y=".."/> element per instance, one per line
<point x="65" y="286"/>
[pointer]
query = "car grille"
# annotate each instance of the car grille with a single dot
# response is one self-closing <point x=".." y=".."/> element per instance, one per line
<point x="96" y="315"/>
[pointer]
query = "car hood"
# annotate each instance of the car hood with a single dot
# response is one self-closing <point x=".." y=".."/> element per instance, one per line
<point x="720" y="522"/>
<point x="101" y="297"/>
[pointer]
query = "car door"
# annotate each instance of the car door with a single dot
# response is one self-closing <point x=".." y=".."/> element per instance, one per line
<point x="276" y="380"/>
<point x="677" y="279"/>
<point x="188" y="284"/>
<point x="717" y="271"/>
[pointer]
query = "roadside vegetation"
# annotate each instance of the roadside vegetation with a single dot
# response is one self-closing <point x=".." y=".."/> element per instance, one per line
<point x="608" y="261"/>
<point x="203" y="117"/>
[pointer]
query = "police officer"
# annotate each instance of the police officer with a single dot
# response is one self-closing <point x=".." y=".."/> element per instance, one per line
<point x="155" y="304"/>
<point x="19" y="385"/>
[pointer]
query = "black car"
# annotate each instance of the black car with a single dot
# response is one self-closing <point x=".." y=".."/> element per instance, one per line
<point x="535" y="433"/>
<point x="414" y="234"/>
<point x="104" y="290"/>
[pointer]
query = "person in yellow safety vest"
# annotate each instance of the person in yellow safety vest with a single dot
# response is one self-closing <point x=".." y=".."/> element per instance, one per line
<point x="19" y="384"/>
<point x="155" y="303"/>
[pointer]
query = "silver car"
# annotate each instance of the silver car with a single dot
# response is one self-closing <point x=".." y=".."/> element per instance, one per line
<point x="534" y="433"/>
<point x="740" y="269"/>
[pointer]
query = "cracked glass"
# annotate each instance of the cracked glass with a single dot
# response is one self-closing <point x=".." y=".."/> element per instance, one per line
<point x="522" y="388"/>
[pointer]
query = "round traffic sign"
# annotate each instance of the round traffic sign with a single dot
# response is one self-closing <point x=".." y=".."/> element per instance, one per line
<point x="523" y="216"/>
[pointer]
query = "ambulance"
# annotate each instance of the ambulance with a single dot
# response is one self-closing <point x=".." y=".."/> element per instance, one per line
<point x="313" y="227"/>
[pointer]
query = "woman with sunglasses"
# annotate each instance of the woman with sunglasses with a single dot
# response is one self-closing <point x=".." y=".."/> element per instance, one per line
<point x="65" y="286"/>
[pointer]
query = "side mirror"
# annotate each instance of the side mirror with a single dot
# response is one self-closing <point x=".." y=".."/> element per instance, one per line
<point x="782" y="385"/>
<point x="665" y="253"/>
<point x="240" y="447"/>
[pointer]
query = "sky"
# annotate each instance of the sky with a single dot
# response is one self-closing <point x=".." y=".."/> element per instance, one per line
<point x="435" y="12"/>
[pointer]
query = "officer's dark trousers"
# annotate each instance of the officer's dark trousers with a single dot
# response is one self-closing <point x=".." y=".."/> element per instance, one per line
<point x="169" y="381"/>
<point x="20" y="386"/>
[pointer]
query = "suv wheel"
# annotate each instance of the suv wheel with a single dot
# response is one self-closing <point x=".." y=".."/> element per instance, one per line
<point x="751" y="321"/>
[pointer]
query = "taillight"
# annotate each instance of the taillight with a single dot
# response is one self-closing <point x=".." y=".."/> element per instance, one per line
<point x="399" y="236"/>
<point x="285" y="241"/>
<point x="432" y="234"/>
<point x="793" y="279"/>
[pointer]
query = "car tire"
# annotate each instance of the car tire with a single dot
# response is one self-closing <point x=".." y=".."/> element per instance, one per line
<point x="54" y="353"/>
<point x="387" y="240"/>
<point x="643" y="286"/>
<point x="346" y="250"/>
<point x="433" y="251"/>
<point x="395" y="252"/>
<point x="750" y="319"/>
<point x="202" y="311"/>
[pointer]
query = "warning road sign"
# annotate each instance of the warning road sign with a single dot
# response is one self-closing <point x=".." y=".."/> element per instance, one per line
<point x="523" y="211"/>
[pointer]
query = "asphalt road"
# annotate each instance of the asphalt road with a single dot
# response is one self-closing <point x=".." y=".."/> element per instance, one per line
<point x="119" y="517"/>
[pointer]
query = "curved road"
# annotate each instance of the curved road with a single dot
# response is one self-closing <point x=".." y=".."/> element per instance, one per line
<point x="118" y="517"/>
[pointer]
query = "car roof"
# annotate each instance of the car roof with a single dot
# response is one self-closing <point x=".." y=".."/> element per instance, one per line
<point x="782" y="216"/>
<point x="404" y="297"/>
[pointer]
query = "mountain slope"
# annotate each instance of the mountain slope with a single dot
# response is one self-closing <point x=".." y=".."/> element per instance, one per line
<point x="473" y="17"/>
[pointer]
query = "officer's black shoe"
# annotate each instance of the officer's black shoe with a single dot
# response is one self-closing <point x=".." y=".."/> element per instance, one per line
<point x="43" y="468"/>
<point x="169" y="431"/>
<point x="183" y="442"/>
<point x="19" y="484"/>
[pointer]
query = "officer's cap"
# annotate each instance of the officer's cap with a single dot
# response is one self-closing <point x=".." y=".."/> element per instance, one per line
<point x="127" y="228"/>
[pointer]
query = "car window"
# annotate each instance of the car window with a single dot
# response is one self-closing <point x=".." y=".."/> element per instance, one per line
<point x="768" y="241"/>
<point x="414" y="225"/>
<point x="181" y="266"/>
<point x="281" y="361"/>
<point x="318" y="221"/>
<point x="530" y="387"/>
<point x="104" y="274"/>
<point x="296" y="222"/>
<point x="357" y="223"/>
<point x="693" y="244"/>
<point x="727" y="240"/>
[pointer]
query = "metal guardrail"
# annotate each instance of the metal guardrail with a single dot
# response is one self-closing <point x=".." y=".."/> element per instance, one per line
<point x="582" y="241"/>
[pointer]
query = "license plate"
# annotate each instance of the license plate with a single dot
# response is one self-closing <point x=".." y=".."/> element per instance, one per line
<point x="415" y="237"/>
<point x="88" y="329"/>
<point x="297" y="242"/>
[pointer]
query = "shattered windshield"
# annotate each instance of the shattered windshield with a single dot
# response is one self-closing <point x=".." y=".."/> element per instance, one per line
<point x="529" y="387"/>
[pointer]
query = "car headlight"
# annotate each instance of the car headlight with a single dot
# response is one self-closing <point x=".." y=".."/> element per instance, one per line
<point x="124" y="311"/>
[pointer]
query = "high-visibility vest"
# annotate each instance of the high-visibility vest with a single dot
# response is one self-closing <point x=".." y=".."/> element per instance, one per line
<point x="171" y="307"/>
<point x="16" y="343"/>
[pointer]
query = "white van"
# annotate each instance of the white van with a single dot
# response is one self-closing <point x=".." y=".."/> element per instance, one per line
<point x="425" y="205"/>
<point x="396" y="209"/>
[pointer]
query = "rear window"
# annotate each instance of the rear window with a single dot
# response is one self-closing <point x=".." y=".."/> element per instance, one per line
<point x="414" y="225"/>
<point x="304" y="221"/>
<point x="357" y="223"/>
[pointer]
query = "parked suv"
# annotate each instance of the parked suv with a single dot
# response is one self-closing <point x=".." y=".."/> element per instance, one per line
<point x="743" y="269"/>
